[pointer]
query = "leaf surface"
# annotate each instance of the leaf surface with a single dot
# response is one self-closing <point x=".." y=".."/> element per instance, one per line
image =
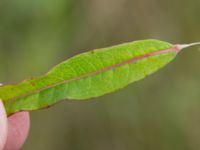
<point x="89" y="75"/>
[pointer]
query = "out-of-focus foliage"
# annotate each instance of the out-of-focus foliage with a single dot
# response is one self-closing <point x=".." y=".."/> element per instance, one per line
<point x="160" y="112"/>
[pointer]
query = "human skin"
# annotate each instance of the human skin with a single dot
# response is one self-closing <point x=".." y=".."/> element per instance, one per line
<point x="13" y="130"/>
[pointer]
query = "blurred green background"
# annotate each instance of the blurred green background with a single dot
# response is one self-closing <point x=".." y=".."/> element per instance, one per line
<point x="160" y="112"/>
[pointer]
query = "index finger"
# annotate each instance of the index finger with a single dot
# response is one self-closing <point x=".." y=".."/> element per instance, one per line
<point x="3" y="126"/>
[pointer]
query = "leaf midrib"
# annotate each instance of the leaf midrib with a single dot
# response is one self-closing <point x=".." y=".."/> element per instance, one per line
<point x="172" y="49"/>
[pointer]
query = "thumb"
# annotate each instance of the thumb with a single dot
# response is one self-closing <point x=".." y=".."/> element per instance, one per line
<point x="3" y="126"/>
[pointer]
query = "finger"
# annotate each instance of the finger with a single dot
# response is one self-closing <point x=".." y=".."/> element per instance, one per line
<point x="3" y="126"/>
<point x="18" y="127"/>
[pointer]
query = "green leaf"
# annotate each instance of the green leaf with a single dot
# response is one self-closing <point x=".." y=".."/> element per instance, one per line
<point x="89" y="75"/>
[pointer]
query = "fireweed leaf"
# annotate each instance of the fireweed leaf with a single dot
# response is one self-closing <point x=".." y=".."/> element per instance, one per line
<point x="89" y="75"/>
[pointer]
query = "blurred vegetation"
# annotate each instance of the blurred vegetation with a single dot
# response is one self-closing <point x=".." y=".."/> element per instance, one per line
<point x="160" y="112"/>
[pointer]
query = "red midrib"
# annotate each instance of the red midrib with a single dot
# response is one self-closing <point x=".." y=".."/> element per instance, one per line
<point x="173" y="49"/>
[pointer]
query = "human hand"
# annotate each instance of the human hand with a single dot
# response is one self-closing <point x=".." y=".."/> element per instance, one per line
<point x="13" y="130"/>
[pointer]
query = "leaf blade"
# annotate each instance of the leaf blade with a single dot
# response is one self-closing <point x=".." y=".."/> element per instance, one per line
<point x="90" y="74"/>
